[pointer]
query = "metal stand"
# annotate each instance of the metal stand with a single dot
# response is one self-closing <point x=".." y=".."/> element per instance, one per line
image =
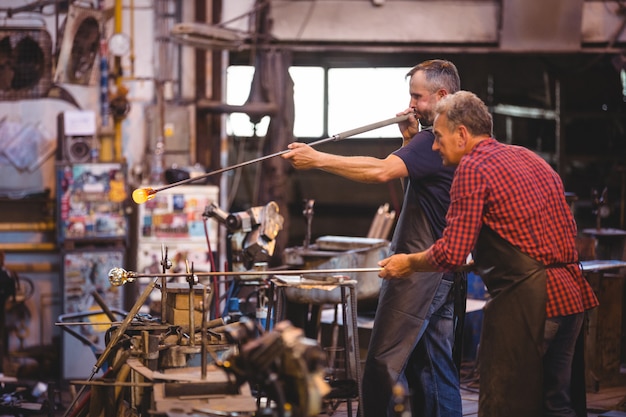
<point x="277" y="297"/>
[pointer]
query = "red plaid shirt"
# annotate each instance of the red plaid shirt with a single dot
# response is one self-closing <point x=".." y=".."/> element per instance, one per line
<point x="519" y="196"/>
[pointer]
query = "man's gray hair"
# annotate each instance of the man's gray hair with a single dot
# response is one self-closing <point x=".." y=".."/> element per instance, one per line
<point x="465" y="108"/>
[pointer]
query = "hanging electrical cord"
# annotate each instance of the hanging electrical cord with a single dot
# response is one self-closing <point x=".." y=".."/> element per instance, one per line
<point x="258" y="172"/>
<point x="234" y="186"/>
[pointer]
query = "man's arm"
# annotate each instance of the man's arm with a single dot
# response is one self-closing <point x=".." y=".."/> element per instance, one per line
<point x="356" y="168"/>
<point x="402" y="264"/>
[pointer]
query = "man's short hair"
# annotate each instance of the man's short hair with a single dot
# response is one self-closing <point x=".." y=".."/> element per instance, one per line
<point x="439" y="73"/>
<point x="465" y="108"/>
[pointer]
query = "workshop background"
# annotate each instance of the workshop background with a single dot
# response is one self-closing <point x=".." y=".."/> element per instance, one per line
<point x="106" y="97"/>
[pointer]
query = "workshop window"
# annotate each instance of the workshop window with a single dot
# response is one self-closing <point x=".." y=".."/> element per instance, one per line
<point x="355" y="97"/>
<point x="362" y="96"/>
<point x="238" y="82"/>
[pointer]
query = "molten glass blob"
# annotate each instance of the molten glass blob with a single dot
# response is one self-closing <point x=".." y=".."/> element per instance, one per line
<point x="141" y="195"/>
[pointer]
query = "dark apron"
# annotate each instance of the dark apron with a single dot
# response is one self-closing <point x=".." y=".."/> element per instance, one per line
<point x="403" y="305"/>
<point x="510" y="353"/>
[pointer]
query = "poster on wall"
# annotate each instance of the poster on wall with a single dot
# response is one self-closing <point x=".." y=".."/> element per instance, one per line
<point x="180" y="254"/>
<point x="175" y="216"/>
<point x="172" y="223"/>
<point x="92" y="201"/>
<point x="85" y="277"/>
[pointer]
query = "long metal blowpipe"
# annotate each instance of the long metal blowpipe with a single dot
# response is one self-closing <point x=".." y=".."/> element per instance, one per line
<point x="120" y="276"/>
<point x="141" y="195"/>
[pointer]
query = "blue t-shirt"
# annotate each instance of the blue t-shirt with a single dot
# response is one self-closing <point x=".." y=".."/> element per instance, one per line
<point x="426" y="196"/>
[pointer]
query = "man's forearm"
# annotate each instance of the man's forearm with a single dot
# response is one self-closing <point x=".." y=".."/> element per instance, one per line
<point x="402" y="265"/>
<point x="419" y="262"/>
<point x="355" y="168"/>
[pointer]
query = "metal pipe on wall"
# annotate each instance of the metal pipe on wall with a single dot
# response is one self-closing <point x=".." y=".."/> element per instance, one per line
<point x="117" y="62"/>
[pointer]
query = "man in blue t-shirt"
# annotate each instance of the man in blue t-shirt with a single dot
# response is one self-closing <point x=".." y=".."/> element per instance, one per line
<point x="413" y="334"/>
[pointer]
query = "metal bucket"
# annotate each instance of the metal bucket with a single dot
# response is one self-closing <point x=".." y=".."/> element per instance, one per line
<point x="338" y="252"/>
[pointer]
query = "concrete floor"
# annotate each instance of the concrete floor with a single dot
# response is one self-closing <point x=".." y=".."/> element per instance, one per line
<point x="611" y="400"/>
<point x="608" y="401"/>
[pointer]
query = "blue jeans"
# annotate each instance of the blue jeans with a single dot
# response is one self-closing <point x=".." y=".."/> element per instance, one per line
<point x="431" y="374"/>
<point x="559" y="342"/>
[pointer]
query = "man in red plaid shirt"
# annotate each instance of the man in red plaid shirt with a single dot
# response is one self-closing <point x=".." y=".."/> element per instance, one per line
<point x="508" y="210"/>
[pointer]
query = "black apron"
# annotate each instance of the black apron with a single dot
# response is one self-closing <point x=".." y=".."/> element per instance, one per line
<point x="403" y="305"/>
<point x="510" y="353"/>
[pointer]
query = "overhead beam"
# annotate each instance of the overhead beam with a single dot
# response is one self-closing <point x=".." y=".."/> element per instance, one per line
<point x="553" y="25"/>
<point x="456" y="25"/>
<point x="395" y="21"/>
